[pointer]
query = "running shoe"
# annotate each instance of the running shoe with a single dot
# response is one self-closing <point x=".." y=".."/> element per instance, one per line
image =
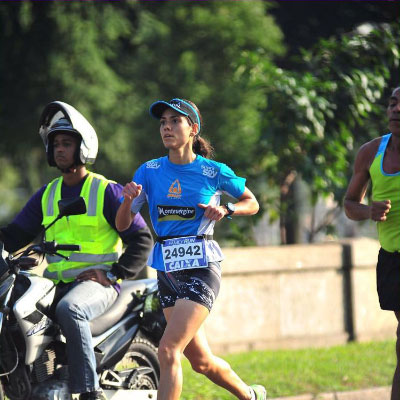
<point x="260" y="392"/>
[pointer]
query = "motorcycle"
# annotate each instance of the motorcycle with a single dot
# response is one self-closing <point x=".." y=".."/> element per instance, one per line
<point x="33" y="362"/>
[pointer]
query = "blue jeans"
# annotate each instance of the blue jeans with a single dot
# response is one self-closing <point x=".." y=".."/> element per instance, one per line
<point x="82" y="302"/>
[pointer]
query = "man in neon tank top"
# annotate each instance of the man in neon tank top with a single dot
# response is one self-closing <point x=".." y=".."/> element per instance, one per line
<point x="378" y="161"/>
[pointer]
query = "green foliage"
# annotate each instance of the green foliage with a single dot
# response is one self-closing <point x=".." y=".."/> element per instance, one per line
<point x="58" y="52"/>
<point x="9" y="194"/>
<point x="317" y="115"/>
<point x="190" y="51"/>
<point x="111" y="60"/>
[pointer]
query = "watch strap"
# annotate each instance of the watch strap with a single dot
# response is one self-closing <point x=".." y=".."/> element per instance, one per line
<point x="230" y="208"/>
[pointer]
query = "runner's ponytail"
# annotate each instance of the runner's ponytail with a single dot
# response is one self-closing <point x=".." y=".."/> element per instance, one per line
<point x="201" y="145"/>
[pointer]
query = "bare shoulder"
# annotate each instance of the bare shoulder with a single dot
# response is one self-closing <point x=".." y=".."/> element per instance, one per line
<point x="367" y="152"/>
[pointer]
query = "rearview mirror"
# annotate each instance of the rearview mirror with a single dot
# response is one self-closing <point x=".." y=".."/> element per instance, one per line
<point x="72" y="206"/>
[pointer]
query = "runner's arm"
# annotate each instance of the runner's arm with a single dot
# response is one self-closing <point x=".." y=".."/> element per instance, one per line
<point x="125" y="216"/>
<point x="247" y="205"/>
<point x="353" y="206"/>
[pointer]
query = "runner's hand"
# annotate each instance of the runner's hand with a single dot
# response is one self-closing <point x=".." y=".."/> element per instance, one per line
<point x="215" y="213"/>
<point x="131" y="190"/>
<point x="379" y="210"/>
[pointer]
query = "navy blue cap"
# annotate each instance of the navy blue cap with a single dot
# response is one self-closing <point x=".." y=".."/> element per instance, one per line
<point x="181" y="106"/>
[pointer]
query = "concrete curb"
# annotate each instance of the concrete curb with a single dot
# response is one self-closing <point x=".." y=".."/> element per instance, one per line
<point x="379" y="393"/>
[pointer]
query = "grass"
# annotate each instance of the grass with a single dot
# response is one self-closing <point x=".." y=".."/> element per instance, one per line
<point x="294" y="372"/>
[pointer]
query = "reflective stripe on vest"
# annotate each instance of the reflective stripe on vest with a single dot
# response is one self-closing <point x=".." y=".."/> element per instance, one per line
<point x="100" y="243"/>
<point x="83" y="257"/>
<point x="50" y="203"/>
<point x="73" y="273"/>
<point x="92" y="203"/>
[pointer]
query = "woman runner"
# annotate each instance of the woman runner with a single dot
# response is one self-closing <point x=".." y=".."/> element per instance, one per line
<point x="183" y="192"/>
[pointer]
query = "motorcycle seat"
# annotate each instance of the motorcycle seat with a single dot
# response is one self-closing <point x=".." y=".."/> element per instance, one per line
<point x="122" y="305"/>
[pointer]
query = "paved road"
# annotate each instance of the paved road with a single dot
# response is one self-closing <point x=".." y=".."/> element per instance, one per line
<point x="380" y="393"/>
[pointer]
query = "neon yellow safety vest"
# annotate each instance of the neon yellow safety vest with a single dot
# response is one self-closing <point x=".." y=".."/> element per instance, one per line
<point x="100" y="244"/>
<point x="386" y="187"/>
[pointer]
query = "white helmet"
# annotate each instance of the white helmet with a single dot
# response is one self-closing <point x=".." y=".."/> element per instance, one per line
<point x="61" y="117"/>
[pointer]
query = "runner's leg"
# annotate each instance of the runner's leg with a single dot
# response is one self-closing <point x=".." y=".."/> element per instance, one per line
<point x="396" y="378"/>
<point x="214" y="368"/>
<point x="184" y="320"/>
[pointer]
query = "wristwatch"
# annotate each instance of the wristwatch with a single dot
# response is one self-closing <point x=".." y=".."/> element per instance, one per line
<point x="230" y="207"/>
<point x="111" y="277"/>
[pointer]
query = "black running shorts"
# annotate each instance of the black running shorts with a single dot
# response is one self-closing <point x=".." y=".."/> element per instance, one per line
<point x="388" y="280"/>
<point x="200" y="285"/>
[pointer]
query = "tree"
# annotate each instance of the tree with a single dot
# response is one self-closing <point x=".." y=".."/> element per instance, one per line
<point x="312" y="114"/>
<point x="144" y="51"/>
<point x="56" y="51"/>
<point x="305" y="22"/>
<point x="270" y="124"/>
<point x="189" y="50"/>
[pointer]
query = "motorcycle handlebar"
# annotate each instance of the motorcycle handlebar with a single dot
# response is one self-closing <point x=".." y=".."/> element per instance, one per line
<point x="68" y="247"/>
<point x="52" y="247"/>
<point x="24" y="261"/>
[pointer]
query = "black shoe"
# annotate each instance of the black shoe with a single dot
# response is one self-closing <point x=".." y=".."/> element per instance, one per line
<point x="96" y="395"/>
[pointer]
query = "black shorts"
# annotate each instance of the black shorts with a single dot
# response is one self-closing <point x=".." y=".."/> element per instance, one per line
<point x="200" y="285"/>
<point x="388" y="280"/>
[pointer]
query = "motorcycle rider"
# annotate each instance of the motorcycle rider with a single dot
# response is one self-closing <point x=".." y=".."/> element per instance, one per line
<point x="88" y="282"/>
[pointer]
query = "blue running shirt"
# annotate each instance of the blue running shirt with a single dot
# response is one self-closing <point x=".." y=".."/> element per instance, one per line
<point x="173" y="192"/>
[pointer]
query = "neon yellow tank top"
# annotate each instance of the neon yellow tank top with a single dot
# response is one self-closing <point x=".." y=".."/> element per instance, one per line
<point x="386" y="187"/>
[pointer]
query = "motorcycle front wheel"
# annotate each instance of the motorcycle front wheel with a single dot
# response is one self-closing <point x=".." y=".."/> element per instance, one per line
<point x="139" y="369"/>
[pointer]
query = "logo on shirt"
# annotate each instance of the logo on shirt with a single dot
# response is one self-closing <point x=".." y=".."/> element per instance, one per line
<point x="210" y="172"/>
<point x="175" y="190"/>
<point x="175" y="213"/>
<point x="153" y="164"/>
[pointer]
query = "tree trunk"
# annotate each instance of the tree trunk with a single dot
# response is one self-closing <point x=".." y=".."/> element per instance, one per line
<point x="290" y="209"/>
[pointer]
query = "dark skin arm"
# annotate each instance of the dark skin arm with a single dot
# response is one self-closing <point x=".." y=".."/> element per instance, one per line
<point x="353" y="206"/>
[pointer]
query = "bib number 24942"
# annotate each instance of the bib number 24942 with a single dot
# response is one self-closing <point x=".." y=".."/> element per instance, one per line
<point x="184" y="253"/>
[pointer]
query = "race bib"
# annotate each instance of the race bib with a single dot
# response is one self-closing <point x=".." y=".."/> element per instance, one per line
<point x="184" y="253"/>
